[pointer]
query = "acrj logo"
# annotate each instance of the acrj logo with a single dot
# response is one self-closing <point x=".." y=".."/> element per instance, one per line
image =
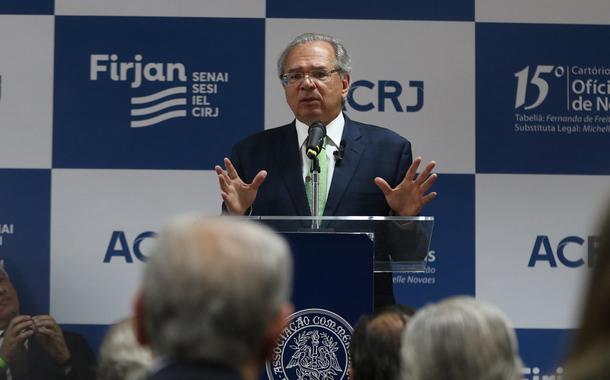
<point x="537" y="81"/>
<point x="386" y="90"/>
<point x="543" y="251"/>
<point x="119" y="247"/>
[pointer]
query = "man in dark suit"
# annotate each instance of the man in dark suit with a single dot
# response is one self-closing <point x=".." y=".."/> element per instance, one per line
<point x="267" y="170"/>
<point x="370" y="169"/>
<point x="214" y="299"/>
<point x="35" y="347"/>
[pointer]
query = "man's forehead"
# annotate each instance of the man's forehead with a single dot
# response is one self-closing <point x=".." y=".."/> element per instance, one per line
<point x="311" y="51"/>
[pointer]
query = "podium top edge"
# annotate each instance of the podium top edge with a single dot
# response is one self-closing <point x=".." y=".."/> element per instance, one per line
<point x="344" y="218"/>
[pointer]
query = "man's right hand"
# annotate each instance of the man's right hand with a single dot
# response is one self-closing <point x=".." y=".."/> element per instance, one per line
<point x="19" y="329"/>
<point x="237" y="195"/>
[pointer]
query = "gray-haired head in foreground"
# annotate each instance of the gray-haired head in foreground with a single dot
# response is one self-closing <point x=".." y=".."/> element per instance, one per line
<point x="460" y="338"/>
<point x="121" y="356"/>
<point x="210" y="288"/>
<point x="343" y="62"/>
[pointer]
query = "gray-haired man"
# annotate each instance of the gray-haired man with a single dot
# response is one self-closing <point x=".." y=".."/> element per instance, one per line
<point x="34" y="347"/>
<point x="214" y="299"/>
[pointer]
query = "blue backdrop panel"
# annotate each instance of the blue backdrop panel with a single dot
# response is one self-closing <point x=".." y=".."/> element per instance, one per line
<point x="102" y="97"/>
<point x="456" y="10"/>
<point x="543" y="351"/>
<point x="531" y="83"/>
<point x="451" y="266"/>
<point x="25" y="249"/>
<point x="333" y="272"/>
<point x="35" y="7"/>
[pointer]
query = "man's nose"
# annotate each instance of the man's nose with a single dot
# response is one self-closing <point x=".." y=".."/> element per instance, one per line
<point x="307" y="82"/>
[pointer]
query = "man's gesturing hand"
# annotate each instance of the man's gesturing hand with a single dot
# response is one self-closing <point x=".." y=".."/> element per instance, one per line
<point x="409" y="196"/>
<point x="237" y="195"/>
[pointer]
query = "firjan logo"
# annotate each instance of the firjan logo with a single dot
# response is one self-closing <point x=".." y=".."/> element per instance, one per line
<point x="6" y="229"/>
<point x="169" y="103"/>
<point x="568" y="252"/>
<point x="365" y="95"/>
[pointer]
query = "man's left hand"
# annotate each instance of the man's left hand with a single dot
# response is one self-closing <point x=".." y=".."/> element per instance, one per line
<point x="49" y="335"/>
<point x="409" y="197"/>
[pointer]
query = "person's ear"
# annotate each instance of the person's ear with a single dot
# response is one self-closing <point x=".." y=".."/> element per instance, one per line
<point x="276" y="326"/>
<point x="345" y="82"/>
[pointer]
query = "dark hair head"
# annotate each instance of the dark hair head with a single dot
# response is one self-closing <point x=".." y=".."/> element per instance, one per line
<point x="375" y="346"/>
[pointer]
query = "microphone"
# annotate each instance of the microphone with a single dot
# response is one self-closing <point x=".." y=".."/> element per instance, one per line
<point x="339" y="153"/>
<point x="315" y="139"/>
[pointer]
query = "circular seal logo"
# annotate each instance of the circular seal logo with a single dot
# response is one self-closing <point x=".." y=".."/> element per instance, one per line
<point x="313" y="346"/>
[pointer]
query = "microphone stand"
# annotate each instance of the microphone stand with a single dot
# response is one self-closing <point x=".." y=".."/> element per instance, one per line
<point x="315" y="190"/>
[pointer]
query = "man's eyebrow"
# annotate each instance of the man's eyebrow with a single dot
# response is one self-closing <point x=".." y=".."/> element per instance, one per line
<point x="300" y="69"/>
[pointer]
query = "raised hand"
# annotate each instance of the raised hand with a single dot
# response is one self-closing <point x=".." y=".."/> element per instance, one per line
<point x="409" y="196"/>
<point x="237" y="195"/>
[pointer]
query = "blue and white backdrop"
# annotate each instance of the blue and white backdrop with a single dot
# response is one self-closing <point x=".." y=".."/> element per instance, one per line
<point x="112" y="115"/>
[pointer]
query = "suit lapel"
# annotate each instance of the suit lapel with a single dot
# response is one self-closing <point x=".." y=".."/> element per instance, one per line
<point x="354" y="147"/>
<point x="289" y="163"/>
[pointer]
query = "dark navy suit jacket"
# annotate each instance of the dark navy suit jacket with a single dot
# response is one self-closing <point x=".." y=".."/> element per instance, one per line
<point x="40" y="366"/>
<point x="370" y="152"/>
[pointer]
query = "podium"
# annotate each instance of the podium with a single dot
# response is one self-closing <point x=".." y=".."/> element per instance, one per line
<point x="340" y="265"/>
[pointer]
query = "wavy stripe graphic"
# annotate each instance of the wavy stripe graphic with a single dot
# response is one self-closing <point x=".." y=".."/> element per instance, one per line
<point x="159" y="95"/>
<point x="158" y="107"/>
<point x="158" y="119"/>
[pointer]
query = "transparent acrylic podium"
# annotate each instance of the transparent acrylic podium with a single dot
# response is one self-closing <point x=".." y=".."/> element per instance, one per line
<point x="399" y="244"/>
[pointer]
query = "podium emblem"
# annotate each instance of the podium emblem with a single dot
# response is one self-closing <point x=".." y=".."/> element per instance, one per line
<point x="313" y="346"/>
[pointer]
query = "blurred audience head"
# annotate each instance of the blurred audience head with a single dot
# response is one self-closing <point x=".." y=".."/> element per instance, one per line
<point x="215" y="290"/>
<point x="375" y="346"/>
<point x="121" y="356"/>
<point x="589" y="357"/>
<point x="460" y="338"/>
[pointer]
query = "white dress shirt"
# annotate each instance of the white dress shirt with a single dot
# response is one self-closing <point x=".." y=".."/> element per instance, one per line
<point x="334" y="131"/>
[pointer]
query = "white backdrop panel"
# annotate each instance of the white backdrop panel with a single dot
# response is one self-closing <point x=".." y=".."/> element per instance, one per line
<point x="26" y="91"/>
<point x="441" y="54"/>
<point x="512" y="212"/>
<point x="544" y="11"/>
<point x="165" y="8"/>
<point x="88" y="206"/>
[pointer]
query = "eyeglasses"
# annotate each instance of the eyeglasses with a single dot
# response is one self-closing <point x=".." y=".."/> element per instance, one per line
<point x="318" y="75"/>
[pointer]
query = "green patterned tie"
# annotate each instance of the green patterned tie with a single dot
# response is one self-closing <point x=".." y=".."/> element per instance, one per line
<point x="323" y="161"/>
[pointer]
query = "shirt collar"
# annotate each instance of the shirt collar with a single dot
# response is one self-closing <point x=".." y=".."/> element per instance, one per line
<point x="334" y="130"/>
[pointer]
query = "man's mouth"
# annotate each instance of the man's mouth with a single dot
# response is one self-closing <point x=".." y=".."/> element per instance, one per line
<point x="309" y="100"/>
